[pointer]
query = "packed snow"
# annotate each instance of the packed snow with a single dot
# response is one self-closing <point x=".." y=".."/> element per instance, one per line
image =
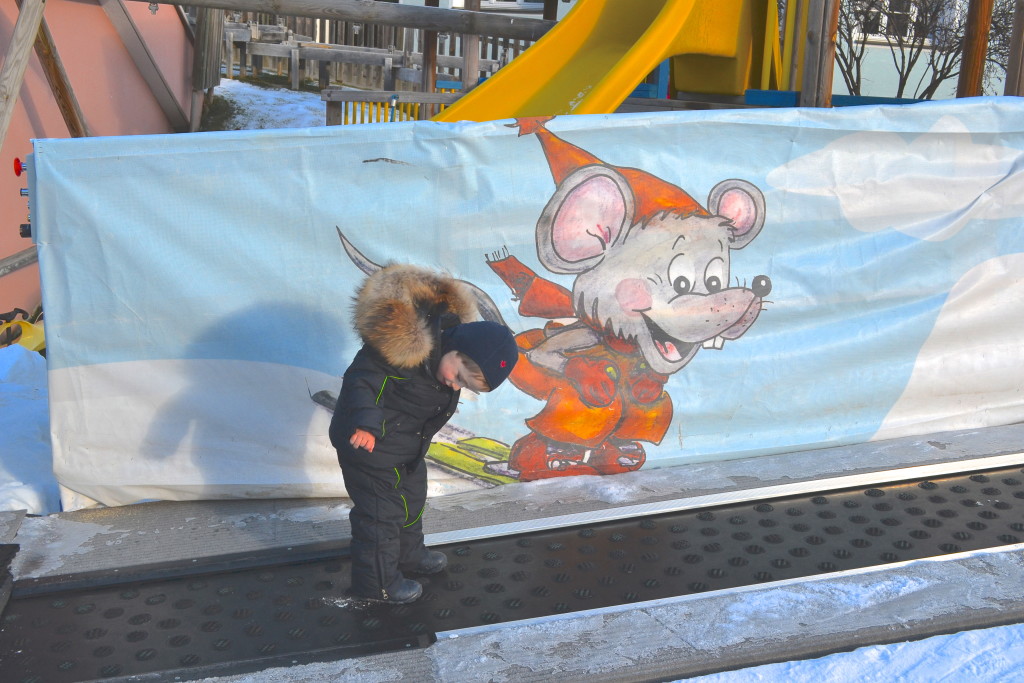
<point x="260" y="108"/>
<point x="986" y="655"/>
<point x="26" y="476"/>
<point x="27" y="483"/>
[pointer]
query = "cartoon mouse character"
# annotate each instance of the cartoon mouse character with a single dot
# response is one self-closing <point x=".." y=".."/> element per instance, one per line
<point x="651" y="287"/>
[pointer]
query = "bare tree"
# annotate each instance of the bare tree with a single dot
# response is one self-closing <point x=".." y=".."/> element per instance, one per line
<point x="944" y="33"/>
<point x="999" y="40"/>
<point x="925" y="40"/>
<point x="855" y="18"/>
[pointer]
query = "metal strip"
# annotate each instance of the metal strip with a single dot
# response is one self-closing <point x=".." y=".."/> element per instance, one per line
<point x="730" y="497"/>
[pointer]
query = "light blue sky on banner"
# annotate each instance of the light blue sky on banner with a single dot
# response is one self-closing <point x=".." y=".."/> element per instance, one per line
<point x="224" y="245"/>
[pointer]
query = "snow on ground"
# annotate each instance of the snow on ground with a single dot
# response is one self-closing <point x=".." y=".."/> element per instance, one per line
<point x="991" y="655"/>
<point x="26" y="476"/>
<point x="272" y="107"/>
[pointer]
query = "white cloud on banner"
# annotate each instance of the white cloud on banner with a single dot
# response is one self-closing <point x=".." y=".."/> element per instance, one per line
<point x="927" y="188"/>
<point x="967" y="375"/>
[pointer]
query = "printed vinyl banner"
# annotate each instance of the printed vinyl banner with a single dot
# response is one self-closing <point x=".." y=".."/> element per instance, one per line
<point x="685" y="287"/>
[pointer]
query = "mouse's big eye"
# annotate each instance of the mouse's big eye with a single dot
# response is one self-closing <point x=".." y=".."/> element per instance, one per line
<point x="715" y="275"/>
<point x="681" y="275"/>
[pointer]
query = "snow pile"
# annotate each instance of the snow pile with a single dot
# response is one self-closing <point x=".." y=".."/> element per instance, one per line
<point x="990" y="655"/>
<point x="261" y="108"/>
<point x="26" y="467"/>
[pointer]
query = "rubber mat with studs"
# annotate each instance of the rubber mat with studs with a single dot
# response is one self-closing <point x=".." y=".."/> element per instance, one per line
<point x="238" y="621"/>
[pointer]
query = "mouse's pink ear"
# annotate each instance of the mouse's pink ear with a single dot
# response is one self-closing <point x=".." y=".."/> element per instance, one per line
<point x="589" y="212"/>
<point x="742" y="204"/>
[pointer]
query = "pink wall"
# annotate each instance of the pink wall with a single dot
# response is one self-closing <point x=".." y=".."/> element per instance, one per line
<point x="113" y="96"/>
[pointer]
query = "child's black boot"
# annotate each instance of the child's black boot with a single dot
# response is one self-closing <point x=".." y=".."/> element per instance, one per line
<point x="401" y="592"/>
<point x="432" y="562"/>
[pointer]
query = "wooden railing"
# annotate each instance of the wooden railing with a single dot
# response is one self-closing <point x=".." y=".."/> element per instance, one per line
<point x="477" y="55"/>
<point x="385" y="69"/>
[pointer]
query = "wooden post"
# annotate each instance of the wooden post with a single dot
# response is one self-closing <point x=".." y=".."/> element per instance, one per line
<point x="1015" y="68"/>
<point x="550" y="10"/>
<point x="822" y="24"/>
<point x="470" y="52"/>
<point x="428" y="77"/>
<point x="243" y="61"/>
<point x="13" y="72"/>
<point x="334" y="113"/>
<point x="294" y="68"/>
<point x="60" y="86"/>
<point x="324" y="74"/>
<point x="206" y="59"/>
<point x="795" y="28"/>
<point x="829" y="51"/>
<point x="229" y="59"/>
<point x="972" y="65"/>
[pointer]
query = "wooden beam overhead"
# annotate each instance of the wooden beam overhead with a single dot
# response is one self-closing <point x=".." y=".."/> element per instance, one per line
<point x="13" y="71"/>
<point x="389" y="14"/>
<point x="57" y="78"/>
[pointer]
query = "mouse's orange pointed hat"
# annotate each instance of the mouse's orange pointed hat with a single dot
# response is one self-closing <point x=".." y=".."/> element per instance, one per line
<point x="653" y="195"/>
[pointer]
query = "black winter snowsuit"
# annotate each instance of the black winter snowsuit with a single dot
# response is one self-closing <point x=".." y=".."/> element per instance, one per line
<point x="391" y="391"/>
<point x="402" y="407"/>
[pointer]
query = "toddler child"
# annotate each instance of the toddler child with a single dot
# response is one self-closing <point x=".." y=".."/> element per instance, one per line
<point x="421" y="346"/>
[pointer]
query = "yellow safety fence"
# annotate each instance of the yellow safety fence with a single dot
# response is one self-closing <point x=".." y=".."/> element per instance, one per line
<point x="383" y="112"/>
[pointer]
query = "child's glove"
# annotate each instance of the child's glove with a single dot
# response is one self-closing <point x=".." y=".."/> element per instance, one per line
<point x="363" y="439"/>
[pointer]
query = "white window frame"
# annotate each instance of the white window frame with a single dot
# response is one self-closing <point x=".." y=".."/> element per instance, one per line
<point x="883" y="18"/>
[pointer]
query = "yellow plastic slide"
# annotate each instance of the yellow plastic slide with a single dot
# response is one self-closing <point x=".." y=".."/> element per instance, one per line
<point x="597" y="54"/>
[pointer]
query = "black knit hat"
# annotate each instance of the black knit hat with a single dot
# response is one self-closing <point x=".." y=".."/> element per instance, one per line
<point x="490" y="345"/>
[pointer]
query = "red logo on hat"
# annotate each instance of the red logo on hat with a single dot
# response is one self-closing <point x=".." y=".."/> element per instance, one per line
<point x="503" y="363"/>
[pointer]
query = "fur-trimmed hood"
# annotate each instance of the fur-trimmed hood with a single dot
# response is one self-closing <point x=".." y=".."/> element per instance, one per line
<point x="392" y="305"/>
